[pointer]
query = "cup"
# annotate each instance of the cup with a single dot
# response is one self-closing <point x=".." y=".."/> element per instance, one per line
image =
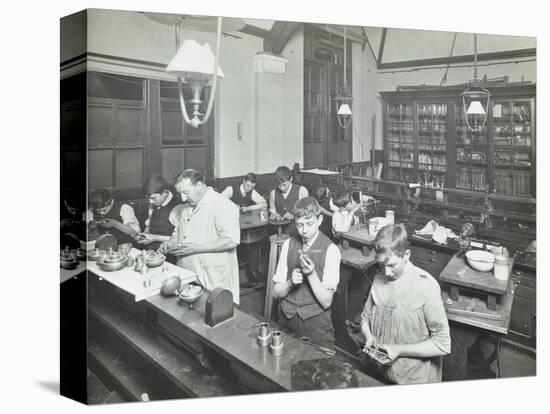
<point x="390" y="215"/>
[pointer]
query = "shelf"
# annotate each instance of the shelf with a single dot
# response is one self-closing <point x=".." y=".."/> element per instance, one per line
<point x="512" y="148"/>
<point x="480" y="164"/>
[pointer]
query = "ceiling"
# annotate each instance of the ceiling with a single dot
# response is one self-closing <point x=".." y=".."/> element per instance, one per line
<point x="391" y="48"/>
<point x="405" y="47"/>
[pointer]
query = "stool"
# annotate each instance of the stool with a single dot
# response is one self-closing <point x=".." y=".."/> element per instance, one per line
<point x="249" y="237"/>
<point x="276" y="243"/>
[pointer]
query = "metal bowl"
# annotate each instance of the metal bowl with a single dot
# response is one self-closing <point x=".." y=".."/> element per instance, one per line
<point x="68" y="261"/>
<point x="481" y="260"/>
<point x="154" y="259"/>
<point x="111" y="266"/>
<point x="112" y="261"/>
<point x="79" y="253"/>
<point x="190" y="293"/>
<point x="96" y="254"/>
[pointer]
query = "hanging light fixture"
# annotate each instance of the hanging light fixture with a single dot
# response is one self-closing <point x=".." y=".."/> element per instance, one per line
<point x="195" y="65"/>
<point x="344" y="98"/>
<point x="475" y="100"/>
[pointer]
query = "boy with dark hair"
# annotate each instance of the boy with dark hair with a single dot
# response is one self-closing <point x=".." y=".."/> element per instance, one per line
<point x="158" y="226"/>
<point x="344" y="217"/>
<point x="119" y="219"/>
<point x="307" y="276"/>
<point x="404" y="313"/>
<point x="245" y="195"/>
<point x="285" y="195"/>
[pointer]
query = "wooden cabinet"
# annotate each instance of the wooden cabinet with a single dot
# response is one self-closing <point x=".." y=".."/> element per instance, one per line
<point x="523" y="324"/>
<point x="427" y="141"/>
<point x="430" y="259"/>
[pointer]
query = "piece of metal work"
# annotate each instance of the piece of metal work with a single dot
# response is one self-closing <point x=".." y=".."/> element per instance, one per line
<point x="277" y="344"/>
<point x="264" y="335"/>
<point x="378" y="355"/>
<point x="307" y="340"/>
<point x="113" y="261"/>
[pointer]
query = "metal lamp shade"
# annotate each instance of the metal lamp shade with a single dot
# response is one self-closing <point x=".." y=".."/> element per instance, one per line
<point x="475" y="101"/>
<point x="475" y="108"/>
<point x="344" y="110"/>
<point x="194" y="61"/>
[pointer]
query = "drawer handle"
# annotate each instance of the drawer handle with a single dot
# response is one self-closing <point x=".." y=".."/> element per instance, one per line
<point x="432" y="259"/>
<point x="517" y="273"/>
<point x="432" y="251"/>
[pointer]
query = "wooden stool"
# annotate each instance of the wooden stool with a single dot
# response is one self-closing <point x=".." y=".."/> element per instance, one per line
<point x="276" y="243"/>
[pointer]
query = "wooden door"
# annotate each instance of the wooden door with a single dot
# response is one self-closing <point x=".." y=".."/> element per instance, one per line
<point x="315" y="108"/>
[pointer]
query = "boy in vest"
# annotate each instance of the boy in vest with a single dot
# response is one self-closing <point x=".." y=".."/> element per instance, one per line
<point x="158" y="226"/>
<point x="119" y="219"/>
<point x="284" y="196"/>
<point x="245" y="195"/>
<point x="307" y="276"/>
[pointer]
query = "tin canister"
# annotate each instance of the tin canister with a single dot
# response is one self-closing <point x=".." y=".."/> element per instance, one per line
<point x="501" y="267"/>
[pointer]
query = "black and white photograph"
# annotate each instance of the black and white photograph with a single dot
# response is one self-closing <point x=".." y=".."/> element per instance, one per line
<point x="258" y="206"/>
<point x="262" y="207"/>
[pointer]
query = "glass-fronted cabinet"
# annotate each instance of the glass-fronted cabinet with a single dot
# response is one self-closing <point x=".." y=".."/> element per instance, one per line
<point x="400" y="142"/>
<point x="432" y="143"/>
<point x="513" y="149"/>
<point x="427" y="140"/>
<point x="471" y="154"/>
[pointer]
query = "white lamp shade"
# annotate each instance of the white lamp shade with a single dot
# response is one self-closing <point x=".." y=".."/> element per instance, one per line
<point x="193" y="58"/>
<point x="344" y="110"/>
<point x="475" y="108"/>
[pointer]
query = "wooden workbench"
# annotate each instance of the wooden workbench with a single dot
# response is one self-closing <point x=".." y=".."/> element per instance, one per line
<point x="233" y="340"/>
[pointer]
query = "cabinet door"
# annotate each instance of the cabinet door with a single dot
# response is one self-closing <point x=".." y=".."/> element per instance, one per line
<point x="472" y="154"/>
<point x="399" y="137"/>
<point x="431" y="260"/>
<point x="523" y="317"/>
<point x="513" y="146"/>
<point x="432" y="143"/>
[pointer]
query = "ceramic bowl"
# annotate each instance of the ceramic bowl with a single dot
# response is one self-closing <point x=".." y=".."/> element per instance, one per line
<point x="481" y="260"/>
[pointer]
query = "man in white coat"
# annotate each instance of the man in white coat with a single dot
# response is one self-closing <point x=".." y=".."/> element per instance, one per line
<point x="208" y="232"/>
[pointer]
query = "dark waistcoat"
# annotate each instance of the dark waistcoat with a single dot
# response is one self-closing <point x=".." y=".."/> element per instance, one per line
<point x="239" y="199"/>
<point x="284" y="205"/>
<point x="159" y="222"/>
<point x="301" y="300"/>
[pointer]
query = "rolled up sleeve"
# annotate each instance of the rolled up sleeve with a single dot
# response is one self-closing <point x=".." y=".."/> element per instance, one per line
<point x="227" y="222"/>
<point x="436" y="319"/>
<point x="331" y="271"/>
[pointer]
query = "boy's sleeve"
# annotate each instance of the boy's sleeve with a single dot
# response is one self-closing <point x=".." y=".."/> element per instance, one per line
<point x="129" y="218"/>
<point x="436" y="319"/>
<point x="331" y="271"/>
<point x="282" y="269"/>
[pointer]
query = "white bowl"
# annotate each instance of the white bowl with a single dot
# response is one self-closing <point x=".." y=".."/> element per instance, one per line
<point x="481" y="260"/>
